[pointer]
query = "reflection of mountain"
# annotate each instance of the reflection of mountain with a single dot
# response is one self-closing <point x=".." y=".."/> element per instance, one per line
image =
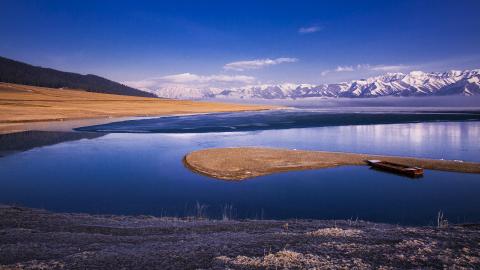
<point x="415" y="83"/>
<point x="23" y="141"/>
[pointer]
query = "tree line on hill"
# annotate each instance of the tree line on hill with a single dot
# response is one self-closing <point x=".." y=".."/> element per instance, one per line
<point x="12" y="71"/>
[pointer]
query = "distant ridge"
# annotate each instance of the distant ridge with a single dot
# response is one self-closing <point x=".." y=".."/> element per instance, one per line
<point x="415" y="83"/>
<point x="12" y="71"/>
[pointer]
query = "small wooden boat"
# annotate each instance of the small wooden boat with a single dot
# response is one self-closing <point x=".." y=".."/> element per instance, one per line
<point x="396" y="168"/>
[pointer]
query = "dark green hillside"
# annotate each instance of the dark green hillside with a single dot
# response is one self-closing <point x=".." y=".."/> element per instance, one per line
<point x="12" y="71"/>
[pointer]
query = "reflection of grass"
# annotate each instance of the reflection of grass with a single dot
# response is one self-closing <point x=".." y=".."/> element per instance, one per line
<point x="227" y="212"/>
<point x="26" y="140"/>
<point x="442" y="222"/>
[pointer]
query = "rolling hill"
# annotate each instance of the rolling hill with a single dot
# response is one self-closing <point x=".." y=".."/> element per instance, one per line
<point x="12" y="71"/>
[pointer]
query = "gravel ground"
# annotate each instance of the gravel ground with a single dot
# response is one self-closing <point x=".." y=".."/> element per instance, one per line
<point x="38" y="239"/>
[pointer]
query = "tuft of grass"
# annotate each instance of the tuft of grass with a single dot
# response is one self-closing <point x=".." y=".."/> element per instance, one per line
<point x="200" y="210"/>
<point x="227" y="212"/>
<point x="289" y="259"/>
<point x="335" y="232"/>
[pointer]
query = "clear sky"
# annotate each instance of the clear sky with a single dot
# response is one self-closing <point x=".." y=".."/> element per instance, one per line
<point x="242" y="41"/>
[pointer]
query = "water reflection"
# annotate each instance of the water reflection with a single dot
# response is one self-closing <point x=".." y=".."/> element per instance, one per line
<point x="450" y="140"/>
<point x="446" y="140"/>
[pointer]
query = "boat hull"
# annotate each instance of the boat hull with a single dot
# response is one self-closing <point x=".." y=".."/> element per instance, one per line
<point x="396" y="168"/>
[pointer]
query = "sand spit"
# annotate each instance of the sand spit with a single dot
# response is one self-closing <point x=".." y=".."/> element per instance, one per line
<point x="247" y="162"/>
<point x="37" y="239"/>
<point x="22" y="104"/>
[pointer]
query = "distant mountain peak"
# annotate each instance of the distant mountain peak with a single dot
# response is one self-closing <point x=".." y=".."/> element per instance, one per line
<point x="414" y="83"/>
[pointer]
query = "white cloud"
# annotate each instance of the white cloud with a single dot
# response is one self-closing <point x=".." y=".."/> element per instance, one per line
<point x="343" y="69"/>
<point x="142" y="84"/>
<point x="388" y="68"/>
<point x="310" y="29"/>
<point x="186" y="78"/>
<point x="191" y="80"/>
<point x="257" y="63"/>
<point x="366" y="68"/>
<point x="325" y="72"/>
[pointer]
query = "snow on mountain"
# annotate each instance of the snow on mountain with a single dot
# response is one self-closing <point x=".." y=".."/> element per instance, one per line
<point x="415" y="83"/>
<point x="184" y="92"/>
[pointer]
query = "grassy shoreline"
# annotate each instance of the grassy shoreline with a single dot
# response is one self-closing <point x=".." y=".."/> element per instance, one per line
<point x="22" y="106"/>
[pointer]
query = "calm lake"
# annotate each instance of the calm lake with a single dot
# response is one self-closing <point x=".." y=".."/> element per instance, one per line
<point x="142" y="173"/>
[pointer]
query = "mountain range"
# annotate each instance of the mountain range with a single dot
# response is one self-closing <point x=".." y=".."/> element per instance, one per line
<point x="415" y="83"/>
<point x="12" y="71"/>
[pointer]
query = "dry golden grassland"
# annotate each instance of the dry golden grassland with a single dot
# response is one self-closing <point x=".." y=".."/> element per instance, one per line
<point x="24" y="104"/>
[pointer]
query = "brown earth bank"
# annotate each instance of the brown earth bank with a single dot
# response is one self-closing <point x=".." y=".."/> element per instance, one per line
<point x="38" y="239"/>
<point x="247" y="162"/>
<point x="22" y="104"/>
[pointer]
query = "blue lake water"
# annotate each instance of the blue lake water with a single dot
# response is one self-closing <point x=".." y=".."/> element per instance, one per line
<point x="276" y="119"/>
<point x="125" y="173"/>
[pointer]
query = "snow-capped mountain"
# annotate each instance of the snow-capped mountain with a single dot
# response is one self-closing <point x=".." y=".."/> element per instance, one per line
<point x="183" y="92"/>
<point x="415" y="83"/>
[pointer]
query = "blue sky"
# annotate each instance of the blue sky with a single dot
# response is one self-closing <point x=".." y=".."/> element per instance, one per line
<point x="242" y="41"/>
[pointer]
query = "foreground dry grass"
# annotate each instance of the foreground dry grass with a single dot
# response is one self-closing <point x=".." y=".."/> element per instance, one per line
<point x="247" y="162"/>
<point x="23" y="104"/>
<point x="36" y="239"/>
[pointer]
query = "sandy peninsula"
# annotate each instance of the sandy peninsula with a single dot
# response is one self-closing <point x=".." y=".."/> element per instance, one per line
<point x="247" y="162"/>
<point x="22" y="105"/>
